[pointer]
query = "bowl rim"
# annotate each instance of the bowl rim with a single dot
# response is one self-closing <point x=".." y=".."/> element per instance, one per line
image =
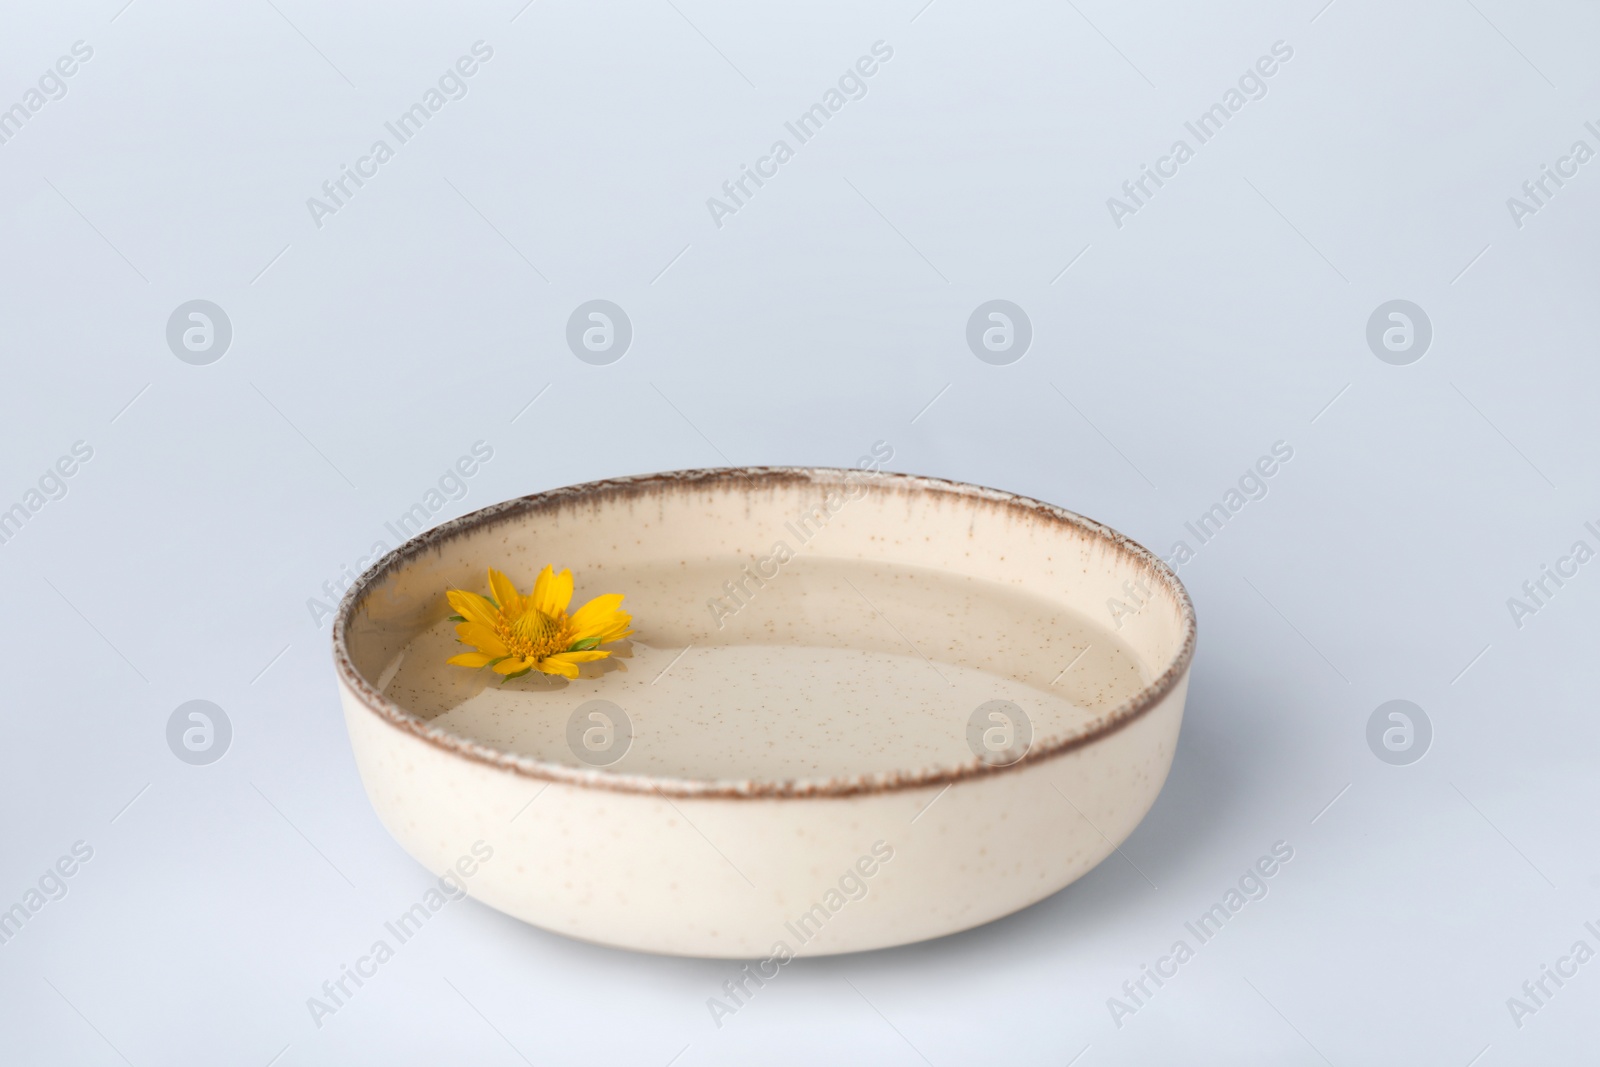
<point x="1115" y="719"/>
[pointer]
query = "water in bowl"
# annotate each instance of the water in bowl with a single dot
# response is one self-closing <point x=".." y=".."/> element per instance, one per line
<point x="830" y="668"/>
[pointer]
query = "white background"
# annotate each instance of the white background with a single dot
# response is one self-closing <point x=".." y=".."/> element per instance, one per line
<point x="1227" y="314"/>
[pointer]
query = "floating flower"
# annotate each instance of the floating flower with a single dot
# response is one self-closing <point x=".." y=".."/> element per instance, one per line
<point x="515" y="634"/>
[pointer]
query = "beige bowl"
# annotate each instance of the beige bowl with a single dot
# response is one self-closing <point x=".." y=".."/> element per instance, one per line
<point x="787" y="788"/>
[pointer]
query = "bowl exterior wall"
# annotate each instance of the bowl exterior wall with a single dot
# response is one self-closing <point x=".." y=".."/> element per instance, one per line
<point x="764" y="878"/>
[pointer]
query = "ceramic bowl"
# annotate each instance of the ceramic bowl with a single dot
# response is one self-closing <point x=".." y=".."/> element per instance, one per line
<point x="712" y="841"/>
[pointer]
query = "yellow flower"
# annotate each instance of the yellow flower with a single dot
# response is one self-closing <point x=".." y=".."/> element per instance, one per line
<point x="515" y="634"/>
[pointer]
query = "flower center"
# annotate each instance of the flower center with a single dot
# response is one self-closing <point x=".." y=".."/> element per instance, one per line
<point x="535" y="635"/>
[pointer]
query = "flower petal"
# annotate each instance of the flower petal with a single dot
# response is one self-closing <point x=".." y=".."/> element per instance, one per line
<point x="482" y="638"/>
<point x="552" y="592"/>
<point x="561" y="667"/>
<point x="566" y="663"/>
<point x="610" y="629"/>
<point x="595" y="615"/>
<point x="511" y="665"/>
<point x="585" y="656"/>
<point x="470" y="659"/>
<point x="472" y="607"/>
<point x="505" y="593"/>
<point x="618" y="629"/>
<point x="599" y="619"/>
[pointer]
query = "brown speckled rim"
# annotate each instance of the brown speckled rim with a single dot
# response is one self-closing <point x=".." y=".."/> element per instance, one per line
<point x="751" y="478"/>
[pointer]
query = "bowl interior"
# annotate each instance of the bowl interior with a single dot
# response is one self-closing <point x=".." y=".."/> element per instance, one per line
<point x="790" y="625"/>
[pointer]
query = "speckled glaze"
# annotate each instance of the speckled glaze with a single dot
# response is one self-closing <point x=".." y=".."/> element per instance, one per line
<point x="723" y="860"/>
